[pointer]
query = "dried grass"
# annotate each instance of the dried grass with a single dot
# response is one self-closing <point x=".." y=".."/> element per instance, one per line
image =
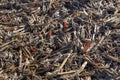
<point x="59" y="39"/>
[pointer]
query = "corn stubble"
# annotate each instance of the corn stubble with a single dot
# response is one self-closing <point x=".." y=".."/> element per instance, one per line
<point x="59" y="39"/>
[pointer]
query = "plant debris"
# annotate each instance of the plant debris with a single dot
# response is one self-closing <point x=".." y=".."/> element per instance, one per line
<point x="59" y="39"/>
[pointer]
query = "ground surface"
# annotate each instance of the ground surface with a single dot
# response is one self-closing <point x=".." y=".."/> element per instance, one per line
<point x="59" y="39"/>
